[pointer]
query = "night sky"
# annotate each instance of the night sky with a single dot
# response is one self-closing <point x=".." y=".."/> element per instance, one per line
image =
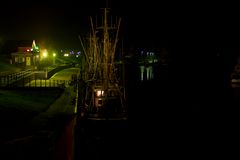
<point x="60" y="23"/>
<point x="144" y="23"/>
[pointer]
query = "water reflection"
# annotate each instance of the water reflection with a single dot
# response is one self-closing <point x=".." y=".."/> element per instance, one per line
<point x="146" y="73"/>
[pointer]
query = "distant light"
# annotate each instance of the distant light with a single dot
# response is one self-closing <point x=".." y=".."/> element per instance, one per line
<point x="77" y="56"/>
<point x="54" y="54"/>
<point x="28" y="50"/>
<point x="66" y="55"/>
<point x="31" y="49"/>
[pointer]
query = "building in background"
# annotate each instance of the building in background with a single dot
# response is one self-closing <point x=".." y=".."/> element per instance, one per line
<point x="27" y="55"/>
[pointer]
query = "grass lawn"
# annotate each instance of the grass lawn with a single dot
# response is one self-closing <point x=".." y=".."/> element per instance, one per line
<point x="20" y="105"/>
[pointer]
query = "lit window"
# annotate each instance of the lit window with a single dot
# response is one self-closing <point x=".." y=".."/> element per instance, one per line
<point x="100" y="93"/>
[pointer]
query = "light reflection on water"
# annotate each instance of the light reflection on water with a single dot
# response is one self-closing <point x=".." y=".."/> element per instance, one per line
<point x="146" y="72"/>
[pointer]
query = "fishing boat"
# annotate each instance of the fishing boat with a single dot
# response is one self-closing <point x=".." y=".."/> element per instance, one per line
<point x="102" y="71"/>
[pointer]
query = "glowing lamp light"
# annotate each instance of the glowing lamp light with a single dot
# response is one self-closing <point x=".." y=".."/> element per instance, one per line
<point x="100" y="93"/>
<point x="28" y="50"/>
<point x="44" y="54"/>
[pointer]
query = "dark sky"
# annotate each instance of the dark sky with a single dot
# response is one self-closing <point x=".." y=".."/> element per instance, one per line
<point x="144" y="23"/>
<point x="60" y="22"/>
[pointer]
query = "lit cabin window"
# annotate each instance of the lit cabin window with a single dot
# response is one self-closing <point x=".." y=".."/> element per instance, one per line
<point x="100" y="93"/>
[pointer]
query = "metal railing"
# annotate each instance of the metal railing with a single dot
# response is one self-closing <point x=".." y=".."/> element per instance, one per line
<point x="8" y="79"/>
<point x="33" y="82"/>
<point x="29" y="79"/>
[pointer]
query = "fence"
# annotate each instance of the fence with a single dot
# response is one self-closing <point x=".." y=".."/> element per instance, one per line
<point x="26" y="78"/>
<point x="32" y="81"/>
<point x="6" y="80"/>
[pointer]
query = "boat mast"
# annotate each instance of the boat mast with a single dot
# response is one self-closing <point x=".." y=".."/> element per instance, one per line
<point x="100" y="56"/>
<point x="105" y="51"/>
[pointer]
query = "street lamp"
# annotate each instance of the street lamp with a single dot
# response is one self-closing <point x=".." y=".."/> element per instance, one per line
<point x="45" y="54"/>
<point x="54" y="55"/>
